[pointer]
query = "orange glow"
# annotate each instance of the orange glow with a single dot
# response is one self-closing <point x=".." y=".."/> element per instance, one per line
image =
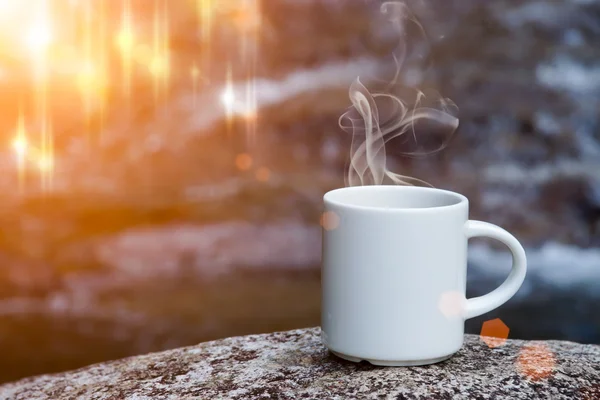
<point x="228" y="98"/>
<point x="102" y="60"/>
<point x="20" y="143"/>
<point x="125" y="38"/>
<point x="64" y="55"/>
<point x="87" y="79"/>
<point x="126" y="43"/>
<point x="536" y="361"/>
<point x="39" y="37"/>
<point x="44" y="158"/>
<point x="159" y="63"/>
<point x="243" y="161"/>
<point x="39" y="33"/>
<point x="245" y="15"/>
<point x="92" y="84"/>
<point x="263" y="174"/>
<point x="159" y="66"/>
<point x="205" y="13"/>
<point x="90" y="80"/>
<point x="251" y="115"/>
<point x="142" y="54"/>
<point x="330" y="220"/>
<point x="494" y="332"/>
<point x="20" y="146"/>
<point x="195" y="74"/>
<point x="45" y="162"/>
<point x="67" y="48"/>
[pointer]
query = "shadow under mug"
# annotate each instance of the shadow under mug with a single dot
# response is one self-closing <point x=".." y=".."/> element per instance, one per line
<point x="394" y="272"/>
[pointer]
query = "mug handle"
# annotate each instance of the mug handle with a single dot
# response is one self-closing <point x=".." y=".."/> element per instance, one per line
<point x="480" y="305"/>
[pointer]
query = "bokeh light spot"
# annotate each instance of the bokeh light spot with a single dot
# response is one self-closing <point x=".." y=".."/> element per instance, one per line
<point x="228" y="97"/>
<point x="251" y="115"/>
<point x="536" y="361"/>
<point x="19" y="145"/>
<point x="39" y="37"/>
<point x="125" y="40"/>
<point x="195" y="72"/>
<point x="45" y="162"/>
<point x="243" y="161"/>
<point x="330" y="220"/>
<point x="89" y="79"/>
<point x="159" y="66"/>
<point x="452" y="304"/>
<point x="494" y="332"/>
<point x="263" y="174"/>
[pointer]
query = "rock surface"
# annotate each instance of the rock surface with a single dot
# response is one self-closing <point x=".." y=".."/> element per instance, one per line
<point x="294" y="364"/>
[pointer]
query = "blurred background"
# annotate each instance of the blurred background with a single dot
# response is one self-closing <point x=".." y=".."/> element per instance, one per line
<point x="164" y="162"/>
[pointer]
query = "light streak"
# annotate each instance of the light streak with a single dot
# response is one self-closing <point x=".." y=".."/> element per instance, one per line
<point x="126" y="43"/>
<point x="250" y="113"/>
<point x="228" y="98"/>
<point x="166" y="44"/>
<point x="79" y="40"/>
<point x="103" y="64"/>
<point x="87" y="73"/>
<point x="159" y="63"/>
<point x="205" y="15"/>
<point x="195" y="74"/>
<point x="39" y="37"/>
<point x="205" y="11"/>
<point x="246" y="17"/>
<point x="45" y="157"/>
<point x="20" y="145"/>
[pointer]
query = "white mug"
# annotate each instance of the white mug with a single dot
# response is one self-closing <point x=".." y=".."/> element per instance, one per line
<point x="394" y="273"/>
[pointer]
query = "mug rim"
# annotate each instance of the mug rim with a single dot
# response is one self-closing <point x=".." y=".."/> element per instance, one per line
<point x="462" y="200"/>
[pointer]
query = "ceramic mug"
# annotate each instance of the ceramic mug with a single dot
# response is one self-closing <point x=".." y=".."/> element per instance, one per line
<point x="394" y="272"/>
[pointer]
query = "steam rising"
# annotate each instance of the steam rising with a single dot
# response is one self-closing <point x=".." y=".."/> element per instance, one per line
<point x="376" y="118"/>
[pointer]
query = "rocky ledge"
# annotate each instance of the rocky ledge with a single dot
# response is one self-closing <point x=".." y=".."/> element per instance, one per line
<point x="294" y="364"/>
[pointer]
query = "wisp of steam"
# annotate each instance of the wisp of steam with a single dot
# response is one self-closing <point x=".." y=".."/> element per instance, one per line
<point x="376" y="118"/>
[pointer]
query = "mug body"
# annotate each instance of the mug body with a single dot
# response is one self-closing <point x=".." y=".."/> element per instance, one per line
<point x="394" y="255"/>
